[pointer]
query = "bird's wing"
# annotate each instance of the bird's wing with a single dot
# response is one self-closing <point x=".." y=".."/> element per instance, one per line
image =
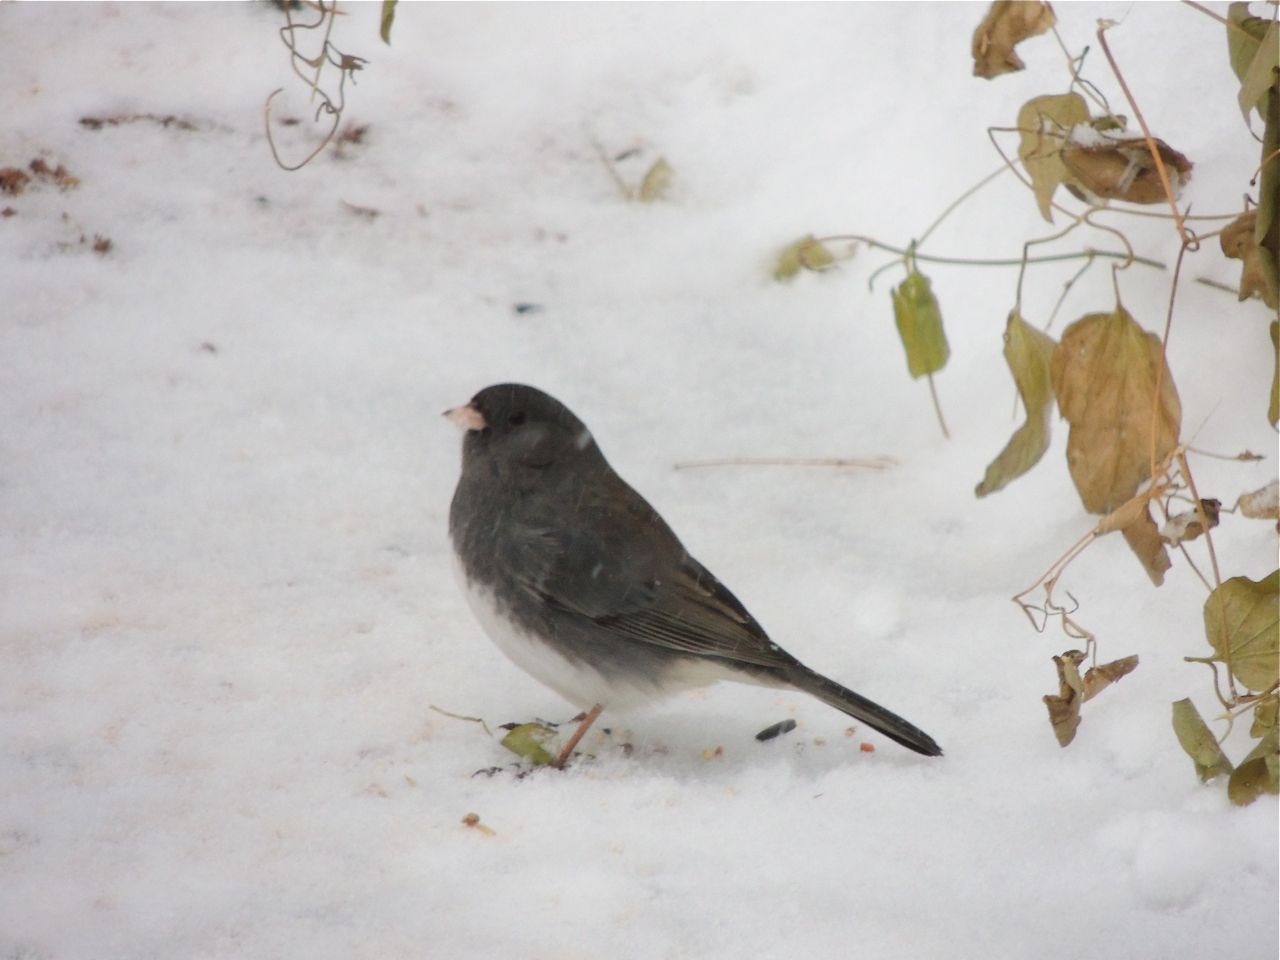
<point x="636" y="581"/>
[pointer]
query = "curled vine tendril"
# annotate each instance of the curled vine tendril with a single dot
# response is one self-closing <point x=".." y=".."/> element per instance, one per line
<point x="330" y="104"/>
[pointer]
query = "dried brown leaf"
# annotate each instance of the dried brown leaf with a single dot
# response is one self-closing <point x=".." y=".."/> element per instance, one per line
<point x="1097" y="679"/>
<point x="1259" y="274"/>
<point x="1124" y="169"/>
<point x="1064" y="716"/>
<point x="1104" y="374"/>
<point x="1144" y="540"/>
<point x="1007" y="24"/>
<point x="1064" y="707"/>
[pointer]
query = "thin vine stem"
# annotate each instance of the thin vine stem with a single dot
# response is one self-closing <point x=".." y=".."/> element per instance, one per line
<point x="1178" y="219"/>
<point x="1087" y="254"/>
<point x="877" y="463"/>
<point x="958" y="201"/>
<point x="1026" y="248"/>
<point x="937" y="408"/>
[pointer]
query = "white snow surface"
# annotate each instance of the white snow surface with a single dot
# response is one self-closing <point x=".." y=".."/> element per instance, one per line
<point x="226" y="604"/>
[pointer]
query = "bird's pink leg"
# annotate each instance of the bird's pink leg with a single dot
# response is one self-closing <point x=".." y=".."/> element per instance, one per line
<point x="588" y="719"/>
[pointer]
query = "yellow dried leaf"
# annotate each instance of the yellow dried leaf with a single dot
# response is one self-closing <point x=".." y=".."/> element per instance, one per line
<point x="1124" y="169"/>
<point x="1104" y="373"/>
<point x="919" y="320"/>
<point x="1007" y="24"/>
<point x="1199" y="742"/>
<point x="1243" y="43"/>
<point x="527" y="740"/>
<point x="1044" y="124"/>
<point x="815" y="256"/>
<point x="1242" y="623"/>
<point x="1259" y="273"/>
<point x="1259" y="79"/>
<point x="388" y="18"/>
<point x="806" y="253"/>
<point x="1258" y="773"/>
<point x="1264" y="715"/>
<point x="1027" y="351"/>
<point x="657" y="181"/>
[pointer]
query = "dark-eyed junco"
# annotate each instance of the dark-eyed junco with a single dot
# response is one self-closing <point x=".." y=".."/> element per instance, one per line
<point x="580" y="582"/>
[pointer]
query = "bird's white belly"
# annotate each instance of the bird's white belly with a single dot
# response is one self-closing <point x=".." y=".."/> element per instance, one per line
<point x="578" y="682"/>
<point x="581" y="685"/>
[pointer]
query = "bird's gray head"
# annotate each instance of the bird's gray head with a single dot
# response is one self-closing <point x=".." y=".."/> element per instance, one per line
<point x="515" y="427"/>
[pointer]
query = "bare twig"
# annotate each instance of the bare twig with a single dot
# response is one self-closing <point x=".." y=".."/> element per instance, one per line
<point x="1209" y="13"/>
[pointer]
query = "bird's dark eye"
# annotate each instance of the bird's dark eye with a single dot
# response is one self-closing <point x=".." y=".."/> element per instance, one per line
<point x="516" y="418"/>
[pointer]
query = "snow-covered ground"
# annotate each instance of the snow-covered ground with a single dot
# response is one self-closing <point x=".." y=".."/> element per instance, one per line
<point x="227" y="603"/>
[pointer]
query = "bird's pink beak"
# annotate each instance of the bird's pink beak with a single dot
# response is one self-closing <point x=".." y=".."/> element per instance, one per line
<point x="467" y="417"/>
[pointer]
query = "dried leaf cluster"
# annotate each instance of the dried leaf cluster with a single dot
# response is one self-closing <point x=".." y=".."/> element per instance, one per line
<point x="1094" y="157"/>
<point x="1112" y="384"/>
<point x="1242" y="624"/>
<point x="1064" y="707"/>
<point x="1108" y="376"/>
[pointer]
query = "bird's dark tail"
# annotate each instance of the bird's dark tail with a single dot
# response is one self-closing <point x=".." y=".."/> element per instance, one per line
<point x="860" y="708"/>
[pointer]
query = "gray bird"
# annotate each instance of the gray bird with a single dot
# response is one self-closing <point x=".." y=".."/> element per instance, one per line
<point x="581" y="583"/>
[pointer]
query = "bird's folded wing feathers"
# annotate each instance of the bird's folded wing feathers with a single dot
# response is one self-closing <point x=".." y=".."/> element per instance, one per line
<point x="627" y="590"/>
